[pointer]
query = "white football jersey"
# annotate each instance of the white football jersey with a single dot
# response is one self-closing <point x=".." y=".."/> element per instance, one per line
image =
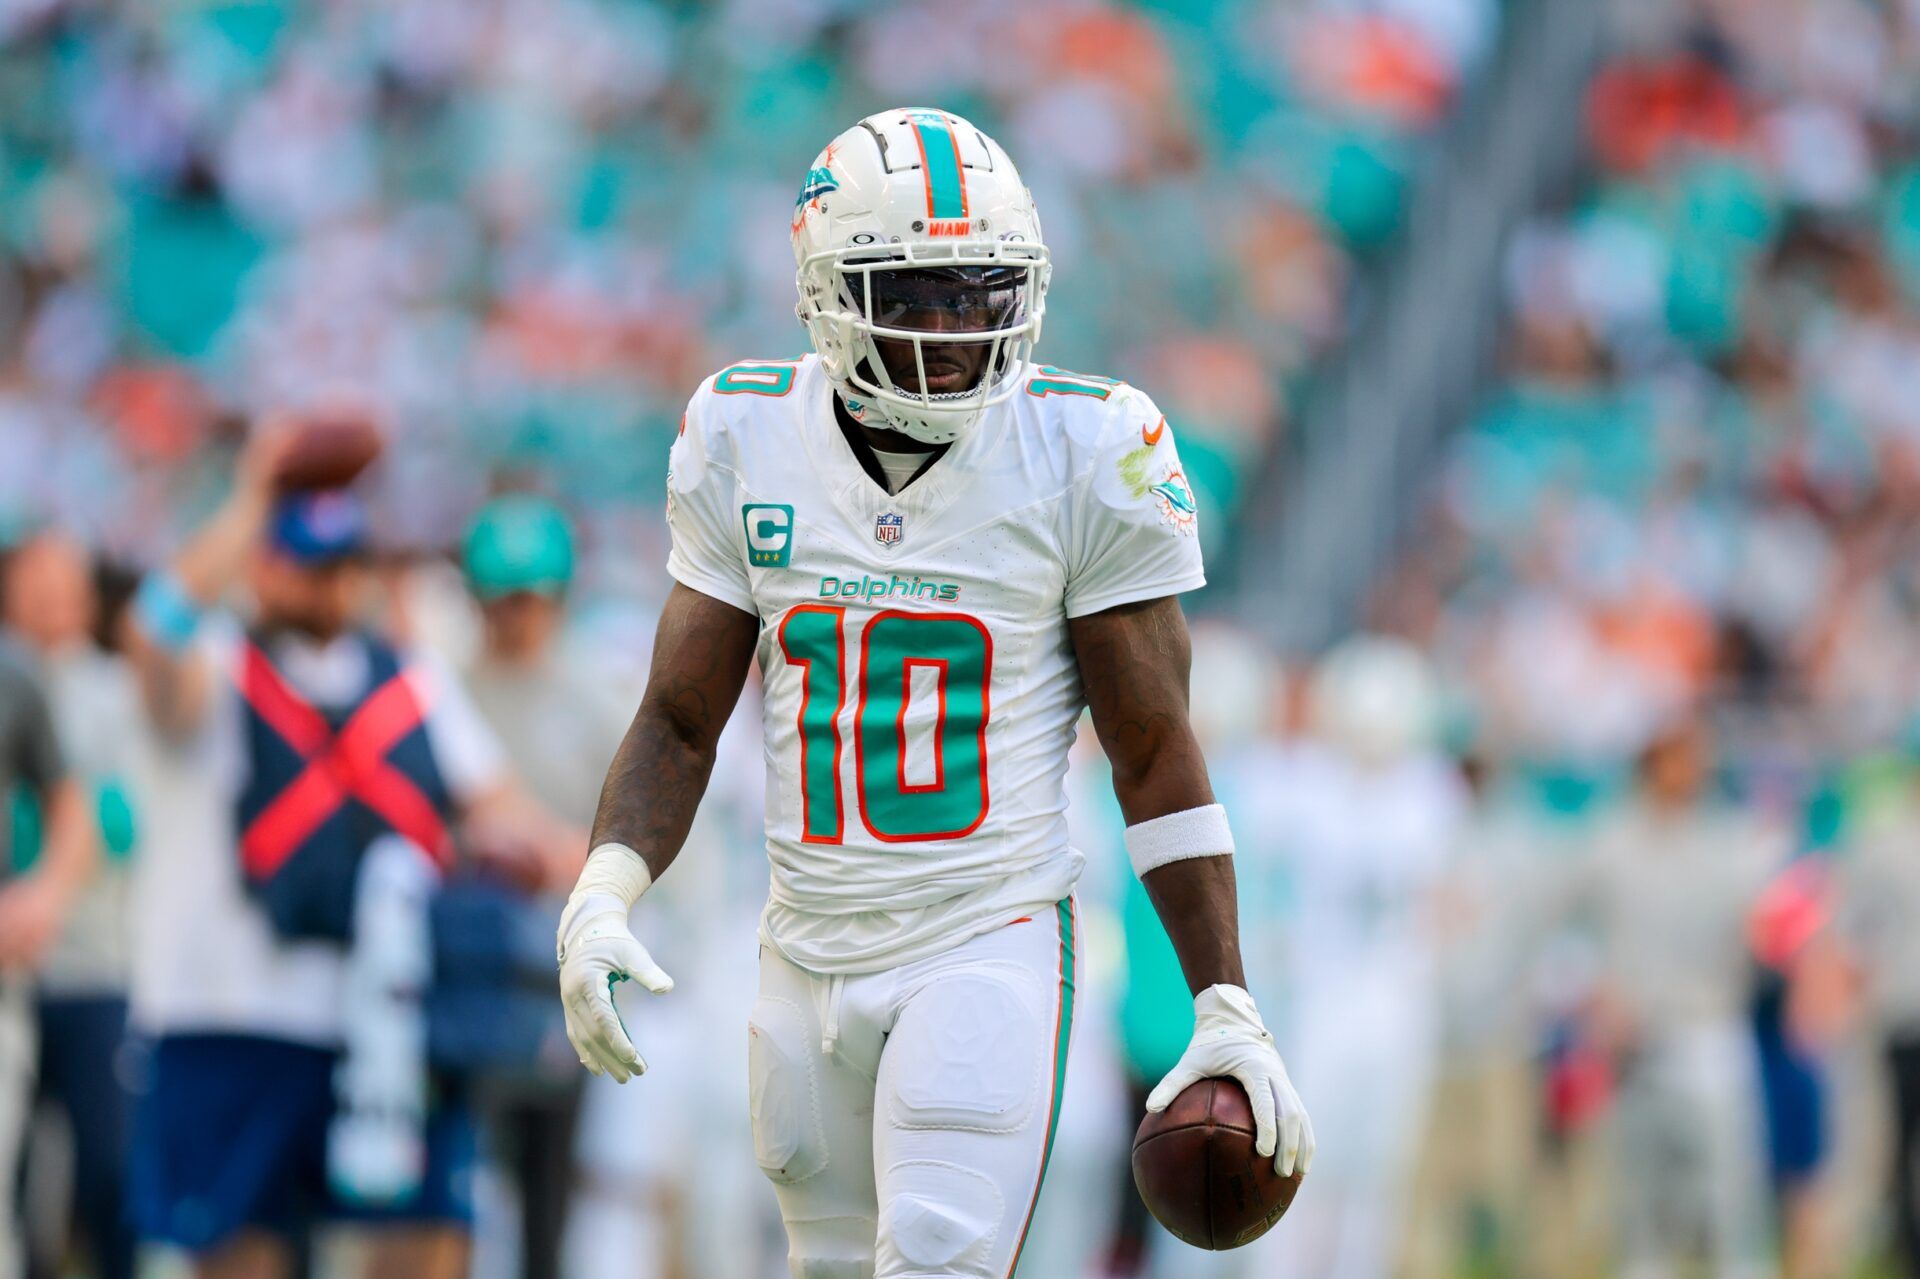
<point x="920" y="689"/>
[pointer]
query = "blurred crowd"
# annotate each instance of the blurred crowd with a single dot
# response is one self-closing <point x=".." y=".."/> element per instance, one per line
<point x="520" y="231"/>
<point x="1689" y="506"/>
<point x="1579" y="892"/>
<point x="1697" y="475"/>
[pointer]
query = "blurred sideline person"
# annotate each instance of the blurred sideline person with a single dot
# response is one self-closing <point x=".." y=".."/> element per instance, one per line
<point x="618" y="1165"/>
<point x="33" y="905"/>
<point x="1881" y="905"/>
<point x="305" y="781"/>
<point x="1802" y="998"/>
<point x="1375" y="813"/>
<point x="1467" y="1205"/>
<point x="559" y="728"/>
<point x="1668" y="888"/>
<point x="552" y="716"/>
<point x="51" y="602"/>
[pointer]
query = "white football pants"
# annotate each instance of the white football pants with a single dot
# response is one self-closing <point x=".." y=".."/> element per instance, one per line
<point x="905" y="1117"/>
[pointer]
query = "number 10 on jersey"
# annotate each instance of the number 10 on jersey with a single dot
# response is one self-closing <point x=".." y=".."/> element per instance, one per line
<point x="957" y="650"/>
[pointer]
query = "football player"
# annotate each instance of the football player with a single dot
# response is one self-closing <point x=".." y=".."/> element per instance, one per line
<point x="939" y="552"/>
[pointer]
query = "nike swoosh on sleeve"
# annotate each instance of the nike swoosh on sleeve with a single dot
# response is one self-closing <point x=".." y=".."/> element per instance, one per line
<point x="1151" y="438"/>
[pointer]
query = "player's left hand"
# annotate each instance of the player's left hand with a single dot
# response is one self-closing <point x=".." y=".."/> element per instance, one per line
<point x="1230" y="1041"/>
<point x="595" y="951"/>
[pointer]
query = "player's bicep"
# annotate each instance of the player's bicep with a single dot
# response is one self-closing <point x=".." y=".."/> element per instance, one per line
<point x="701" y="652"/>
<point x="1134" y="664"/>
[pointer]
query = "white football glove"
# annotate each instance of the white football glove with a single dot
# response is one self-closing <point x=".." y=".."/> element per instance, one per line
<point x="595" y="951"/>
<point x="1230" y="1041"/>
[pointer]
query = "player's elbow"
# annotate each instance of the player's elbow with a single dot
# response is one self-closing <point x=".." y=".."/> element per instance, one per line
<point x="1165" y="775"/>
<point x="679" y="723"/>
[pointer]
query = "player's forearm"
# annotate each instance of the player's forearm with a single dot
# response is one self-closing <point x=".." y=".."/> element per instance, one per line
<point x="173" y="681"/>
<point x="1195" y="897"/>
<point x="653" y="787"/>
<point x="167" y="611"/>
<point x="1199" y="907"/>
<point x="212" y="561"/>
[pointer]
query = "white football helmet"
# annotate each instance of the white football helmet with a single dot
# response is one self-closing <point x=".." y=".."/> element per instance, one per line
<point x="921" y="190"/>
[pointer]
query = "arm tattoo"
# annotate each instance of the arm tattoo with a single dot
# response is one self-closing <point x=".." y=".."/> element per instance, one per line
<point x="700" y="658"/>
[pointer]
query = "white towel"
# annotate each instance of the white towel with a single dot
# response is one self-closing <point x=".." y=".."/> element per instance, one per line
<point x="376" y="1147"/>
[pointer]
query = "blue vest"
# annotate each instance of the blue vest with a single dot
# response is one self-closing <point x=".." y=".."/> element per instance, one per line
<point x="323" y="784"/>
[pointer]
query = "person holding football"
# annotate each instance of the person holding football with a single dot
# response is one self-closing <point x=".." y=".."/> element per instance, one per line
<point x="940" y="552"/>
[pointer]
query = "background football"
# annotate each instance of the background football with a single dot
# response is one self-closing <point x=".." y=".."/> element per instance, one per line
<point x="1197" y="1171"/>
<point x="328" y="452"/>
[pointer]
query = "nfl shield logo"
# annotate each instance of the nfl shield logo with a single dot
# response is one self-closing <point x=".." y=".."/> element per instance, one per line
<point x="886" y="528"/>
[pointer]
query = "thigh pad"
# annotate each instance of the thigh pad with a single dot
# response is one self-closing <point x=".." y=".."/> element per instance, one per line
<point x="789" y="1135"/>
<point x="972" y="1053"/>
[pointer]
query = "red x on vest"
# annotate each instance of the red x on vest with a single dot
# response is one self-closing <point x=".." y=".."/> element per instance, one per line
<point x="350" y="764"/>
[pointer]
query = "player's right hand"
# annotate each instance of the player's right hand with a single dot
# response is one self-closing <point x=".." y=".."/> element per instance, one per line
<point x="595" y="951"/>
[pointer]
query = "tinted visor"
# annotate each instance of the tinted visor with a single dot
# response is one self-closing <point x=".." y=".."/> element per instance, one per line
<point x="950" y="299"/>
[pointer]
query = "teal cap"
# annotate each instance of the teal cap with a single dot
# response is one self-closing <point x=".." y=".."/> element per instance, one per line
<point x="519" y="543"/>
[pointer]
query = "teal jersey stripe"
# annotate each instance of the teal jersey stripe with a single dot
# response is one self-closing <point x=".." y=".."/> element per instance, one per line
<point x="1063" y="1033"/>
<point x="946" y="189"/>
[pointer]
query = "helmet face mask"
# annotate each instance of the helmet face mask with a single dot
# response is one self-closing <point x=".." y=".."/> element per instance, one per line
<point x="919" y="322"/>
<point x="936" y="345"/>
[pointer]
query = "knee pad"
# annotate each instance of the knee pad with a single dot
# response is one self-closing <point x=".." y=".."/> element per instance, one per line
<point x="813" y="1267"/>
<point x="789" y="1136"/>
<point x="829" y="1268"/>
<point x="971" y="1058"/>
<point x="830" y="1248"/>
<point x="939" y="1219"/>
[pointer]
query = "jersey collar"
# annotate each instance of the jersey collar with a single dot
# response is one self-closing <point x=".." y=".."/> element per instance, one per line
<point x="863" y="453"/>
<point x="861" y="496"/>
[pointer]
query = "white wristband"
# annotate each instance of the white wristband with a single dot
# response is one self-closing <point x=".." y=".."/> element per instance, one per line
<point x="616" y="870"/>
<point x="612" y="880"/>
<point x="1195" y="832"/>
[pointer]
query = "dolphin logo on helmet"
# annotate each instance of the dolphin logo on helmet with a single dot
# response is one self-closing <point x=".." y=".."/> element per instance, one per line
<point x="917" y="188"/>
<point x="820" y="180"/>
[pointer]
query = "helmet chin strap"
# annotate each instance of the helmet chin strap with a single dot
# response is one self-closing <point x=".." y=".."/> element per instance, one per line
<point x="864" y="411"/>
<point x="875" y="414"/>
<point x="874" y="411"/>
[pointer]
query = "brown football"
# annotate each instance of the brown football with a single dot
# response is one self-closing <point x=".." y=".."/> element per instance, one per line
<point x="327" y="452"/>
<point x="1196" y="1169"/>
